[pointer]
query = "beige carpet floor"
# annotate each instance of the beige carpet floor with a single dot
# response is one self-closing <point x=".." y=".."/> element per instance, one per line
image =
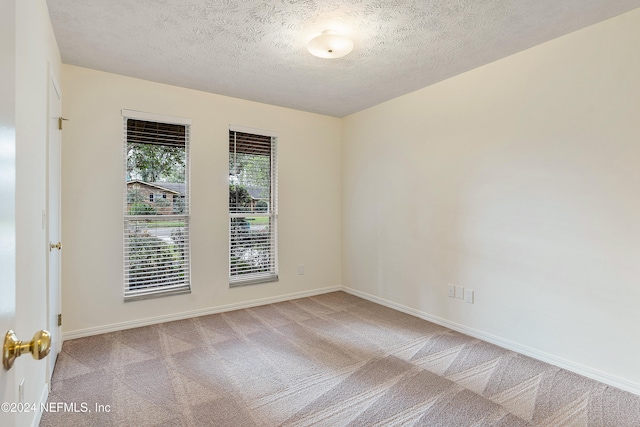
<point x="329" y="360"/>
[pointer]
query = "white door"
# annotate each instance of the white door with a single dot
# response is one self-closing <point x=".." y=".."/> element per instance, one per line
<point x="53" y="215"/>
<point x="7" y="196"/>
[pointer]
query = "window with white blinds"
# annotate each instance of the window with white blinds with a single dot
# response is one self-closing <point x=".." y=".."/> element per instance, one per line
<point x="156" y="205"/>
<point x="253" y="206"/>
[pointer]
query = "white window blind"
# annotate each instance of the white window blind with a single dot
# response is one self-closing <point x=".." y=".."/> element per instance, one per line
<point x="156" y="207"/>
<point x="253" y="207"/>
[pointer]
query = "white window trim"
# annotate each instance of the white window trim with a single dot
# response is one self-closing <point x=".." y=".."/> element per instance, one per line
<point x="152" y="117"/>
<point x="160" y="118"/>
<point x="250" y="279"/>
<point x="255" y="131"/>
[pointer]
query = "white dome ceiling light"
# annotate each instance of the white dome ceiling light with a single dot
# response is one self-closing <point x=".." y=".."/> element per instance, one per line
<point x="330" y="45"/>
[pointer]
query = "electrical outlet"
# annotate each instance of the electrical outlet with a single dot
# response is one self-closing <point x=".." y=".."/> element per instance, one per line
<point x="460" y="292"/>
<point x="452" y="291"/>
<point x="468" y="296"/>
<point x="301" y="270"/>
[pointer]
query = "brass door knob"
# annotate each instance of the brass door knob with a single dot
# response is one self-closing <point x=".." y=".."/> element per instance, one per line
<point x="13" y="348"/>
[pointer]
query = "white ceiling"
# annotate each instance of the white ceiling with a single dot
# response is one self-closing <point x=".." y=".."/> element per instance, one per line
<point x="256" y="49"/>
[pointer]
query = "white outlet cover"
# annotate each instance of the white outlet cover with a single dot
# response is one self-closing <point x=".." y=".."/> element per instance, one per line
<point x="468" y="296"/>
<point x="301" y="270"/>
<point x="460" y="292"/>
<point x="451" y="291"/>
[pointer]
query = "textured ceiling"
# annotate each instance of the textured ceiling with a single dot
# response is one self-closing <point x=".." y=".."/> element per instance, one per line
<point x="256" y="49"/>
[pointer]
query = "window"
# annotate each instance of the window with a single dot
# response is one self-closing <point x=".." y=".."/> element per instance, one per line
<point x="156" y="237"/>
<point x="253" y="206"/>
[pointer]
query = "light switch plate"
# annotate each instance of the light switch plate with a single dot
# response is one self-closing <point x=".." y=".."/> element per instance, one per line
<point x="21" y="391"/>
<point x="451" y="291"/>
<point x="460" y="292"/>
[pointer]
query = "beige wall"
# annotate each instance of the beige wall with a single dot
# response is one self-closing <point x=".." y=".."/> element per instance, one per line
<point x="36" y="54"/>
<point x="93" y="183"/>
<point x="519" y="180"/>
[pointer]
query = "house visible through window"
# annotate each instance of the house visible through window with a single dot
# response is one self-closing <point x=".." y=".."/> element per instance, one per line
<point x="252" y="206"/>
<point x="156" y="228"/>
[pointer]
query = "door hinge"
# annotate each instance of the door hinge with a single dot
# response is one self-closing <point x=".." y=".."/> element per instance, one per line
<point x="60" y="120"/>
<point x="60" y="319"/>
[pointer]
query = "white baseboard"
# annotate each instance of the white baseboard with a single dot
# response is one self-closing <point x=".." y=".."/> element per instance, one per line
<point x="560" y="362"/>
<point x="195" y="313"/>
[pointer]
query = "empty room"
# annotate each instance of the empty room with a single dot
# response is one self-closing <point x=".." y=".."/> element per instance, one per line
<point x="320" y="213"/>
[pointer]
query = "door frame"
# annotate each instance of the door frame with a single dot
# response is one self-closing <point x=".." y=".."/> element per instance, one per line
<point x="53" y="289"/>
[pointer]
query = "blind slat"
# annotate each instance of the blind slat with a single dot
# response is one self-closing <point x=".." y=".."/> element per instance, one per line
<point x="147" y="132"/>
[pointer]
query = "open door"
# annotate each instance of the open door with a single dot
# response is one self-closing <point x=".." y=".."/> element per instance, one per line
<point x="7" y="195"/>
<point x="53" y="229"/>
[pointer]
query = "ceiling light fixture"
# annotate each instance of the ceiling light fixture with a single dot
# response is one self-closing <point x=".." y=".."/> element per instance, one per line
<point x="330" y="45"/>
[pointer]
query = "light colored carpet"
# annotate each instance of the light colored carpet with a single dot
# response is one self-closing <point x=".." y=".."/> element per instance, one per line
<point x="329" y="360"/>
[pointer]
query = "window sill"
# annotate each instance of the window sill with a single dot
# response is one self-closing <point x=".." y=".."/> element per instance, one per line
<point x="246" y="282"/>
<point x="157" y="294"/>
